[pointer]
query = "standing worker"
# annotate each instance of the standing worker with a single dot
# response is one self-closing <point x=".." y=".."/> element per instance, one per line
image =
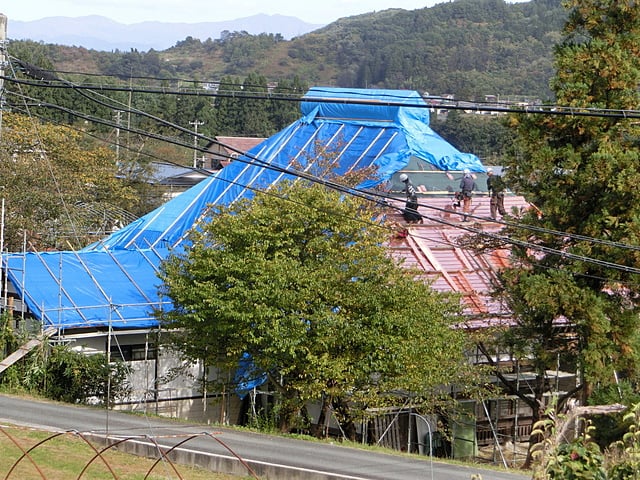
<point x="467" y="187"/>
<point x="495" y="186"/>
<point x="410" y="212"/>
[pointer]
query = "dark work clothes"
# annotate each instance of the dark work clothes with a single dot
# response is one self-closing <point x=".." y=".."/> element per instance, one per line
<point x="410" y="212"/>
<point x="495" y="186"/>
<point x="467" y="185"/>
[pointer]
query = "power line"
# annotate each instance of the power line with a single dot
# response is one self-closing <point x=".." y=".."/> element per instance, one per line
<point x="542" y="109"/>
<point x="369" y="194"/>
<point x="353" y="191"/>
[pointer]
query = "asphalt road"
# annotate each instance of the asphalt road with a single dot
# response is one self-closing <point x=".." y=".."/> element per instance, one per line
<point x="335" y="460"/>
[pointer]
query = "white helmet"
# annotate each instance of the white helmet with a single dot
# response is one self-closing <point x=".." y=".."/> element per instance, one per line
<point x="466" y="171"/>
<point x="404" y="177"/>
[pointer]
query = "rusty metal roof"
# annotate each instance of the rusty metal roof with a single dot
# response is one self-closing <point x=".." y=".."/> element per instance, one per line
<point x="434" y="247"/>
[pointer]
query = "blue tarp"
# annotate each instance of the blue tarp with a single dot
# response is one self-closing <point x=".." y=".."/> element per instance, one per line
<point x="114" y="281"/>
<point x="88" y="289"/>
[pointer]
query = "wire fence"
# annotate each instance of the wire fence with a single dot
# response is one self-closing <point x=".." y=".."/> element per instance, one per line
<point x="31" y="453"/>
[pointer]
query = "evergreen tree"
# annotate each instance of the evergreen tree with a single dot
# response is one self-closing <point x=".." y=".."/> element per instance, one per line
<point x="227" y="105"/>
<point x="283" y="113"/>
<point x="582" y="174"/>
<point x="254" y="111"/>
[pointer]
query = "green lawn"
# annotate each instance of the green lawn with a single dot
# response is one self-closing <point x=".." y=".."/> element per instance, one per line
<point x="66" y="456"/>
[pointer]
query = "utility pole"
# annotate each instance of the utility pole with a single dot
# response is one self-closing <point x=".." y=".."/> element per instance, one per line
<point x="195" y="124"/>
<point x="118" y="120"/>
<point x="3" y="60"/>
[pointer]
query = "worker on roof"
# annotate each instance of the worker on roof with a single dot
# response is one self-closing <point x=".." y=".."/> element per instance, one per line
<point x="467" y="187"/>
<point x="410" y="212"/>
<point x="495" y="186"/>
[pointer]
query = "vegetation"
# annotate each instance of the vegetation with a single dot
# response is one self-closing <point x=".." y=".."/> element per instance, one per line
<point x="296" y="286"/>
<point x="560" y="458"/>
<point x="580" y="457"/>
<point x="581" y="173"/>
<point x="60" y="190"/>
<point x="59" y="373"/>
<point x="246" y="290"/>
<point x="65" y="456"/>
<point x="151" y="120"/>
<point x="470" y="48"/>
<point x="488" y="137"/>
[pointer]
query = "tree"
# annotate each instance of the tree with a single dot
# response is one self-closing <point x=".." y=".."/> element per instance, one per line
<point x="58" y="191"/>
<point x="254" y="113"/>
<point x="485" y="135"/>
<point x="298" y="281"/>
<point x="227" y="105"/>
<point x="581" y="172"/>
<point x="283" y="113"/>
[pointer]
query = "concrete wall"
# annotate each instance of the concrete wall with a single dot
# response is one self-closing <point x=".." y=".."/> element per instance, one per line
<point x="164" y="385"/>
<point x="222" y="463"/>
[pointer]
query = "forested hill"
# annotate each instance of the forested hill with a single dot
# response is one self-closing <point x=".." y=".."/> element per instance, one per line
<point x="468" y="48"/>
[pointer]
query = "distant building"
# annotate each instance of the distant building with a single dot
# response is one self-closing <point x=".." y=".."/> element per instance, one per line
<point x="176" y="179"/>
<point x="224" y="149"/>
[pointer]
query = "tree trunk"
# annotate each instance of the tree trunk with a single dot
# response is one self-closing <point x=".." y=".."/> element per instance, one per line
<point x="321" y="429"/>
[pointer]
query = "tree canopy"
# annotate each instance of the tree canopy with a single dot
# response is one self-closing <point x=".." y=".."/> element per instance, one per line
<point x="298" y="279"/>
<point x="59" y="190"/>
<point x="578" y="264"/>
<point x="470" y="48"/>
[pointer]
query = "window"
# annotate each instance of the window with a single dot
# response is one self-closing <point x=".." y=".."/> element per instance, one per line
<point x="134" y="352"/>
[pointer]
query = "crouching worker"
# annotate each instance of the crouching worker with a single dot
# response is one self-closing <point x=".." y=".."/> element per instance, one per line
<point x="410" y="212"/>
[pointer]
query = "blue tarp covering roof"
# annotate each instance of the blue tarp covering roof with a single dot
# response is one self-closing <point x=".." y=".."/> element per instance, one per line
<point x="89" y="288"/>
<point x="114" y="282"/>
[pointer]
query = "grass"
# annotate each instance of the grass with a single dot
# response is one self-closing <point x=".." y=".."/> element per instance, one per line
<point x="68" y="456"/>
<point x="133" y="467"/>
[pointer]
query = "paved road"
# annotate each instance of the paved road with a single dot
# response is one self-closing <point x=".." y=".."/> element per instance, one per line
<point x="336" y="461"/>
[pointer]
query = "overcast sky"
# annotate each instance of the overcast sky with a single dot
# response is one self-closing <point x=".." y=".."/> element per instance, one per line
<point x="195" y="11"/>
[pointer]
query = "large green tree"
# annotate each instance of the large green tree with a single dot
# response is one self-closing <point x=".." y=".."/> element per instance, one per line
<point x="58" y="190"/>
<point x="577" y="267"/>
<point x="299" y="280"/>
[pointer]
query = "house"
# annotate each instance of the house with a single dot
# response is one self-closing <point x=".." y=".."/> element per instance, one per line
<point x="223" y="150"/>
<point x="174" y="179"/>
<point x="103" y="298"/>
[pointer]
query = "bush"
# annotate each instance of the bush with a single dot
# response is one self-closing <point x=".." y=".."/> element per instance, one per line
<point x="556" y="458"/>
<point x="623" y="457"/>
<point x="60" y="373"/>
<point x="582" y="458"/>
<point x="78" y="378"/>
<point x="611" y="428"/>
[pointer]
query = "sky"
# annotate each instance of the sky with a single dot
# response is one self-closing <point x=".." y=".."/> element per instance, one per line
<point x="196" y="11"/>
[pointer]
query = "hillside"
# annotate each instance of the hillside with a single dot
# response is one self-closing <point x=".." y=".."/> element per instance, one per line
<point x="468" y="48"/>
<point x="99" y="33"/>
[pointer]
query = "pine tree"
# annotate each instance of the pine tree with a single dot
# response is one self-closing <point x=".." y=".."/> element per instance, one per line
<point x="582" y="172"/>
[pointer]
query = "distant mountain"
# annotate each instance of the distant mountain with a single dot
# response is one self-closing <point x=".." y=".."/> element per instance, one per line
<point x="467" y="48"/>
<point x="100" y="33"/>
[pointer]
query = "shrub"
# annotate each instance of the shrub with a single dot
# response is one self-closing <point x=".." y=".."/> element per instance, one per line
<point x="60" y="373"/>
<point x="74" y="377"/>
<point x="623" y="456"/>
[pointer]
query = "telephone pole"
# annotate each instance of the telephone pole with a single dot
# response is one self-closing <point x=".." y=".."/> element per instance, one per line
<point x="118" y="120"/>
<point x="3" y="60"/>
<point x="195" y="124"/>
